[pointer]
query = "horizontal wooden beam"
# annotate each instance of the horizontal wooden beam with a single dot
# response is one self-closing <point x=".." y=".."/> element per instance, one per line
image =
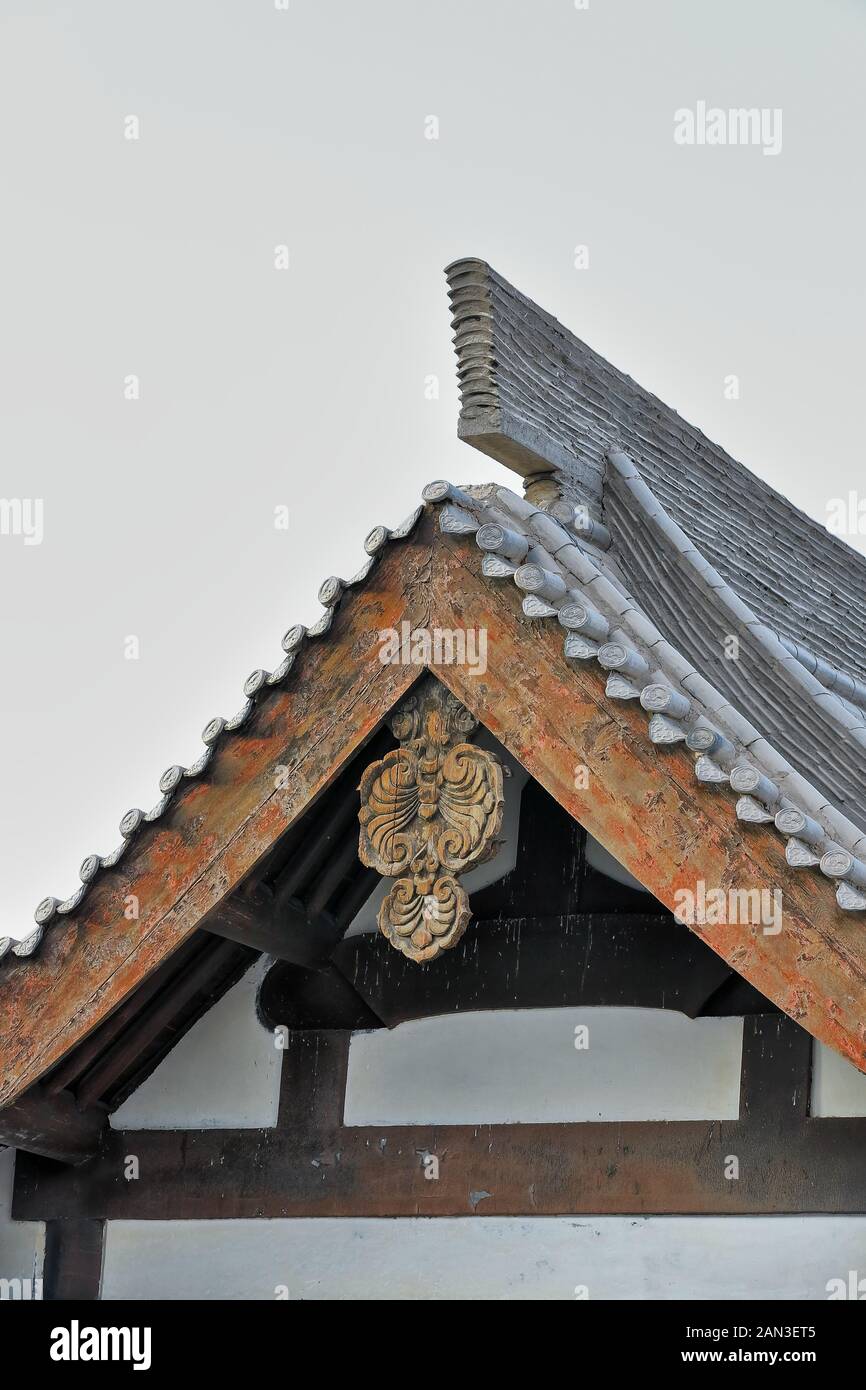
<point x="664" y="1167"/>
<point x="295" y="998"/>
<point x="255" y="921"/>
<point x="53" y="1126"/>
<point x="630" y="960"/>
<point x="312" y="1164"/>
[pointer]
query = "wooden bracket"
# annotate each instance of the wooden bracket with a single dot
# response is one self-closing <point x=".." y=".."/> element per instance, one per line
<point x="430" y="809"/>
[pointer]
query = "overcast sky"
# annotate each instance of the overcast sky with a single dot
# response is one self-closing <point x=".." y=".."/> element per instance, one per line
<point x="259" y="387"/>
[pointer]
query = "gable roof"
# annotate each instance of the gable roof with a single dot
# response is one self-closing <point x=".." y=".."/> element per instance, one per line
<point x="634" y="689"/>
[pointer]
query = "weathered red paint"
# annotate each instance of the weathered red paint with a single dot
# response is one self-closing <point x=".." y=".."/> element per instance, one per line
<point x="644" y="804"/>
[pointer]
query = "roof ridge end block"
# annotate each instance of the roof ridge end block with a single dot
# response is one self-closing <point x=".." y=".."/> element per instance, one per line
<point x="547" y="405"/>
<point x="494" y="326"/>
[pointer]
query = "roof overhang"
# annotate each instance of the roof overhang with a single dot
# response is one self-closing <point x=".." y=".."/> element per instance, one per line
<point x="640" y="800"/>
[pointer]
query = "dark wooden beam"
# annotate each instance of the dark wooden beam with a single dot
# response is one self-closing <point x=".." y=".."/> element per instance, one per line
<point x="76" y="1063"/>
<point x="665" y="1167"/>
<point x="53" y="1126"/>
<point x="338" y="867"/>
<point x="298" y="999"/>
<point x="356" y="895"/>
<point x="73" y="1260"/>
<point x="777" y="1071"/>
<point x="313" y="1083"/>
<point x="641" y="961"/>
<point x="311" y="1164"/>
<point x="299" y="933"/>
<point x="323" y="841"/>
<point x="256" y="922"/>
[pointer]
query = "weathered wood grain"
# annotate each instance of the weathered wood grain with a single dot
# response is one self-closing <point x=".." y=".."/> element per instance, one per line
<point x="73" y="1260"/>
<point x="643" y="803"/>
<point x="221" y="826"/>
<point x="53" y="1126"/>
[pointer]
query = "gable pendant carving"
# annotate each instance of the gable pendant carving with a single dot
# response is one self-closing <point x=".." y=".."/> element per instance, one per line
<point x="430" y="810"/>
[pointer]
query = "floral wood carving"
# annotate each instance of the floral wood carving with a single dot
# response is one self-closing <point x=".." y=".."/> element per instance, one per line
<point x="430" y="809"/>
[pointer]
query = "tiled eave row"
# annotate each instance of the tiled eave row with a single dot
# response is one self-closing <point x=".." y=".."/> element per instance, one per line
<point x="216" y="732"/>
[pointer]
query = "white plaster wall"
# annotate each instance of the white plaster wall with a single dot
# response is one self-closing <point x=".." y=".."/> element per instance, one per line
<point x="521" y="1066"/>
<point x="22" y="1243"/>
<point x="838" y="1088"/>
<point x="492" y="1258"/>
<point x="602" y="860"/>
<point x="224" y="1074"/>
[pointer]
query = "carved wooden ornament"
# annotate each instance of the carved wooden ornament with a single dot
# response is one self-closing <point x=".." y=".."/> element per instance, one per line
<point x="430" y="809"/>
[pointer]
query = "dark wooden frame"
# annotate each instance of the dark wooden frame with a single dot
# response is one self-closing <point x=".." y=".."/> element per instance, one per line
<point x="311" y="1164"/>
<point x="73" y="1260"/>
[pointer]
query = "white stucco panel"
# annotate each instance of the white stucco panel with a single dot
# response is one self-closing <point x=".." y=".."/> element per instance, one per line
<point x="224" y="1074"/>
<point x="618" y="1257"/>
<point x="838" y="1088"/>
<point x="22" y="1243"/>
<point x="531" y="1065"/>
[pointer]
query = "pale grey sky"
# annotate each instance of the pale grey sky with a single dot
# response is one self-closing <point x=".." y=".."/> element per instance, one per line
<point x="305" y="387"/>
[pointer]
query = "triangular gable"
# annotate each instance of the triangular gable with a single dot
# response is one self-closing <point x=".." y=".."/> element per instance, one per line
<point x="596" y="620"/>
<point x="641" y="800"/>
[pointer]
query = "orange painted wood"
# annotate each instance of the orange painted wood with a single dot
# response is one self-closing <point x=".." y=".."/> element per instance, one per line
<point x="645" y="805"/>
<point x="181" y="868"/>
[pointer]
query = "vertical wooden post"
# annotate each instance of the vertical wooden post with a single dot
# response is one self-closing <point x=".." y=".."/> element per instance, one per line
<point x="73" y="1260"/>
<point x="777" y="1070"/>
<point x="313" y="1082"/>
